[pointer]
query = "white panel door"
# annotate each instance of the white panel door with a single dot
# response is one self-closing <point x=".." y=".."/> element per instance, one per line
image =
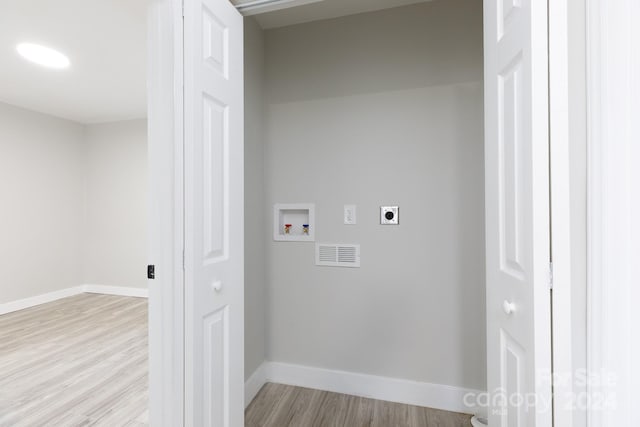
<point x="517" y="212"/>
<point x="214" y="197"/>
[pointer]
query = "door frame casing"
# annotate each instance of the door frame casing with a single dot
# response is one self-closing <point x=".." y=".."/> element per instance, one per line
<point x="565" y="246"/>
<point x="613" y="207"/>
<point x="166" y="217"/>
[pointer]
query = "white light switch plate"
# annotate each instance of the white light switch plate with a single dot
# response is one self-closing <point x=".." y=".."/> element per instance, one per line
<point x="350" y="214"/>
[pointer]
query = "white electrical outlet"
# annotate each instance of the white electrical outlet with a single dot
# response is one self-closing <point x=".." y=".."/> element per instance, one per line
<point x="350" y="214"/>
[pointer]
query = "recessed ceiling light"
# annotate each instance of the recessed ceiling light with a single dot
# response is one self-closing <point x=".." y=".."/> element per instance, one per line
<point x="43" y="55"/>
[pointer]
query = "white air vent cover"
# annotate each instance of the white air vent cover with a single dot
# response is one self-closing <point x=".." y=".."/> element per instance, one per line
<point x="337" y="255"/>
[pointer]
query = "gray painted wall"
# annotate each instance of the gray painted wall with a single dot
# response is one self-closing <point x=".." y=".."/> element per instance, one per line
<point x="41" y="214"/>
<point x="73" y="203"/>
<point x="373" y="109"/>
<point x="115" y="232"/>
<point x="254" y="220"/>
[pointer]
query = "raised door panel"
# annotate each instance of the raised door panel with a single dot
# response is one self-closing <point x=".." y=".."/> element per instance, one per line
<point x="215" y="150"/>
<point x="215" y="43"/>
<point x="216" y="364"/>
<point x="512" y="155"/>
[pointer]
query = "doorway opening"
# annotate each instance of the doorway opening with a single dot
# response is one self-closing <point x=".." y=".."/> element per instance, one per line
<point x="74" y="216"/>
<point x="348" y="115"/>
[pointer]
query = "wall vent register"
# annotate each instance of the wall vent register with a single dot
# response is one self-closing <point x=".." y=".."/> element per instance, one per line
<point x="341" y="255"/>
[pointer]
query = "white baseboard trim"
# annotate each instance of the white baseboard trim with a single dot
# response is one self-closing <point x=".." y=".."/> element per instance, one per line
<point x="255" y="382"/>
<point x="429" y="395"/>
<point x="21" y="304"/>
<point x="116" y="290"/>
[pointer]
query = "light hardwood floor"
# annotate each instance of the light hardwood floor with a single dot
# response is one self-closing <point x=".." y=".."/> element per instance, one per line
<point x="82" y="361"/>
<point x="78" y="361"/>
<point x="278" y="405"/>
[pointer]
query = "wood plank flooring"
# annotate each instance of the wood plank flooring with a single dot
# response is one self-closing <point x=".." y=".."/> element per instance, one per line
<point x="82" y="361"/>
<point x="78" y="361"/>
<point x="278" y="405"/>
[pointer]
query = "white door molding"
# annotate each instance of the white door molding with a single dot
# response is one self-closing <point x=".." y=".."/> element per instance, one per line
<point x="594" y="202"/>
<point x="613" y="211"/>
<point x="562" y="241"/>
<point x="166" y="240"/>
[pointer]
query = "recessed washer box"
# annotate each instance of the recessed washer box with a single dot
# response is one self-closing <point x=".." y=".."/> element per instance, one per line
<point x="294" y="222"/>
<point x="389" y="215"/>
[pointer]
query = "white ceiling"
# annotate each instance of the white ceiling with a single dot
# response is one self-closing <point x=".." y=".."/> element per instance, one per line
<point x="106" y="43"/>
<point x="322" y="9"/>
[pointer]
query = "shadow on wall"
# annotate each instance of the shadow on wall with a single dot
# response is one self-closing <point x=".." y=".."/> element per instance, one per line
<point x="427" y="44"/>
